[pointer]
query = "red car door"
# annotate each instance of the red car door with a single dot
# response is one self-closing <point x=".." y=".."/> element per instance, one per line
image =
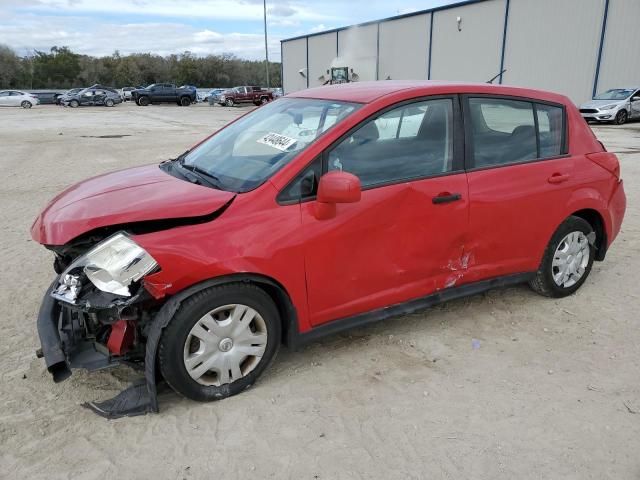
<point x="518" y="176"/>
<point x="405" y="238"/>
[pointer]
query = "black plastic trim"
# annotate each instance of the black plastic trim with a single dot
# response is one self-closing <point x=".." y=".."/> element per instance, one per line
<point x="297" y="339"/>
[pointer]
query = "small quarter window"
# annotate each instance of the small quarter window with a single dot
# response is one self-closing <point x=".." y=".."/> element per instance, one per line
<point x="551" y="130"/>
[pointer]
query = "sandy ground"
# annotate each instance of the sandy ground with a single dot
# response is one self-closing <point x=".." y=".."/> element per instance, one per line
<point x="552" y="392"/>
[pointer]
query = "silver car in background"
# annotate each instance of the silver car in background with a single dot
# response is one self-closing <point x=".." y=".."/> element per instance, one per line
<point x="615" y="105"/>
<point x="17" y="98"/>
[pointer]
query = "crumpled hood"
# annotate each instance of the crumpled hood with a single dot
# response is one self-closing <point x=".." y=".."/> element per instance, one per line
<point x="601" y="103"/>
<point x="122" y="197"/>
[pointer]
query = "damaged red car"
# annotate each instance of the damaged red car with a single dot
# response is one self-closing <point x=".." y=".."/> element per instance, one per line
<point x="324" y="210"/>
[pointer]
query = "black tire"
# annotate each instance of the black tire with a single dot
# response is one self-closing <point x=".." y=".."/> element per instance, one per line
<point x="543" y="282"/>
<point x="621" y="117"/>
<point x="175" y="335"/>
<point x="26" y="104"/>
<point x="109" y="102"/>
<point x="185" y="101"/>
<point x="264" y="100"/>
<point x="229" y="102"/>
<point x="143" y="101"/>
<point x="74" y="104"/>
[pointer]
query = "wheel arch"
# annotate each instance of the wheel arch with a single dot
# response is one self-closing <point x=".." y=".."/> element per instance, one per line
<point x="276" y="291"/>
<point x="595" y="219"/>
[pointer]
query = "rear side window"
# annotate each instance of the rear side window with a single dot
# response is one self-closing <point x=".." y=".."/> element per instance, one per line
<point x="505" y="131"/>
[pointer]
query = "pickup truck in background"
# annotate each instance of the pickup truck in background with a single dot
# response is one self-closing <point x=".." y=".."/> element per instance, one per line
<point x="164" y="93"/>
<point x="247" y="94"/>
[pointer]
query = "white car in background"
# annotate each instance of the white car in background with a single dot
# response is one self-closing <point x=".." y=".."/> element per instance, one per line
<point x="16" y="98"/>
<point x="125" y="93"/>
<point x="616" y="105"/>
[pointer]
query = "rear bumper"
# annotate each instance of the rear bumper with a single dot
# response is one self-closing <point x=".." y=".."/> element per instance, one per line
<point x="617" y="208"/>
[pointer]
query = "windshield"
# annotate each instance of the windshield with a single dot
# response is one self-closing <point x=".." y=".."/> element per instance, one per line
<point x="615" y="94"/>
<point x="247" y="152"/>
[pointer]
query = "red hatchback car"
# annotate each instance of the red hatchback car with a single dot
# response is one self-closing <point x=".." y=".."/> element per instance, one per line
<point x="324" y="210"/>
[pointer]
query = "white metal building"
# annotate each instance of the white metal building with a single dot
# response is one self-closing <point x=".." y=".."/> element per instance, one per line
<point x="575" y="47"/>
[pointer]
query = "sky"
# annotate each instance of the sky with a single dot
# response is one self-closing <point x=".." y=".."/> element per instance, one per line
<point x="164" y="27"/>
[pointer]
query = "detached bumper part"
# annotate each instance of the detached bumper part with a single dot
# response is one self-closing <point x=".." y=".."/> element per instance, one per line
<point x="51" y="346"/>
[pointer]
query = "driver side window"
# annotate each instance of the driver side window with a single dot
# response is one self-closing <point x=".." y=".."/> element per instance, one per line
<point x="407" y="142"/>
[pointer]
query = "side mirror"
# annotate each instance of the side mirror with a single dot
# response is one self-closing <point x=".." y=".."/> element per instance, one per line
<point x="635" y="99"/>
<point x="336" y="187"/>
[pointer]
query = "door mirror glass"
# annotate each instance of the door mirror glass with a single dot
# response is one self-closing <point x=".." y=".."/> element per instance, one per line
<point x="339" y="187"/>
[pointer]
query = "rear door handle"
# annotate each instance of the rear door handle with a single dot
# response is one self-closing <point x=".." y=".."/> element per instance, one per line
<point x="558" y="178"/>
<point x="446" y="197"/>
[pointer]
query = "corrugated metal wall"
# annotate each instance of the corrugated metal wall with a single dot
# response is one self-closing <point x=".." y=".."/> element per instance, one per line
<point x="553" y="45"/>
<point x="471" y="52"/>
<point x="402" y="39"/>
<point x="357" y="49"/>
<point x="294" y="59"/>
<point x="620" y="64"/>
<point x="322" y="52"/>
<point x="550" y="44"/>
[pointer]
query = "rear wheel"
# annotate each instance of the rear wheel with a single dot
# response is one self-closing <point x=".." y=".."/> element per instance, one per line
<point x="185" y="101"/>
<point x="220" y="341"/>
<point x="264" y="100"/>
<point x="26" y="104"/>
<point x="567" y="261"/>
<point x="229" y="102"/>
<point x="143" y="101"/>
<point x="621" y="117"/>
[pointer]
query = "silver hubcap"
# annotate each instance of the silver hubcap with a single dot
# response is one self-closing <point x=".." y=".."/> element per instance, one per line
<point x="570" y="260"/>
<point x="225" y="345"/>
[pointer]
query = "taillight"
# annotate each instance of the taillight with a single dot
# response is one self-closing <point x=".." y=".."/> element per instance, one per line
<point x="606" y="160"/>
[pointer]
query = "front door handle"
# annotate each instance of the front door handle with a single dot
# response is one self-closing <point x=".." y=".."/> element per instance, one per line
<point x="558" y="178"/>
<point x="446" y="197"/>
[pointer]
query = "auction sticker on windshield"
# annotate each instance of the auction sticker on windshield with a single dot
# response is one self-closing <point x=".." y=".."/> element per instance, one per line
<point x="275" y="140"/>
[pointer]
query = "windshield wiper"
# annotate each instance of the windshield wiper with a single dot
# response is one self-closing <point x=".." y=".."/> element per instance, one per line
<point x="203" y="175"/>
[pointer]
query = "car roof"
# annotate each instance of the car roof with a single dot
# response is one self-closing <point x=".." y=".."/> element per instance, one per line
<point x="367" y="92"/>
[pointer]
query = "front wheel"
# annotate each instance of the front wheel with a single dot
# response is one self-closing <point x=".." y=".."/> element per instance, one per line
<point x="220" y="341"/>
<point x="143" y="101"/>
<point x="109" y="102"/>
<point x="185" y="101"/>
<point x="567" y="260"/>
<point x="621" y="117"/>
<point x="74" y="103"/>
<point x="229" y="102"/>
<point x="26" y="104"/>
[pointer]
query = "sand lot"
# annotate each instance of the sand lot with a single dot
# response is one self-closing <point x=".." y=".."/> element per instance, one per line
<point x="553" y="392"/>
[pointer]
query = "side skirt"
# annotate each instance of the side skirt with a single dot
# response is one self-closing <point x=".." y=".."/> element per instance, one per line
<point x="297" y="339"/>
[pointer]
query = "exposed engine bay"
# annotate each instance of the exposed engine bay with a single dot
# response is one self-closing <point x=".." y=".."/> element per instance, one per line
<point x="100" y="328"/>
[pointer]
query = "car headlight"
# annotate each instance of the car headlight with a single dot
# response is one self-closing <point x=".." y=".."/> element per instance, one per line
<point x="609" y="107"/>
<point x="112" y="266"/>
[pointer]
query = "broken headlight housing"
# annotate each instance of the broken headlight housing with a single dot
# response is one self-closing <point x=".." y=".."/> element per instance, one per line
<point x="112" y="266"/>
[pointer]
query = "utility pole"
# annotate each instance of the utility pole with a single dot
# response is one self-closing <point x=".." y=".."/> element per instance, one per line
<point x="266" y="48"/>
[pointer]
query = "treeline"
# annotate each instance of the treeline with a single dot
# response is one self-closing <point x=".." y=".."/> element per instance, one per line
<point x="61" y="68"/>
